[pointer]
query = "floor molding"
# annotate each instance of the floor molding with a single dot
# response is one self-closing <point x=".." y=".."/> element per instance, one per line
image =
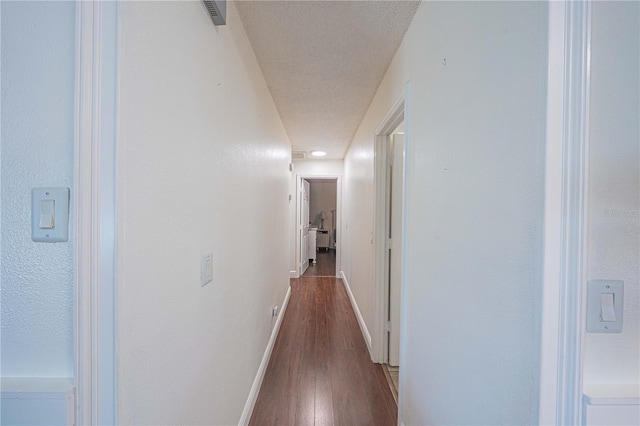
<point x="354" y="304"/>
<point x="255" y="389"/>
<point x="294" y="274"/>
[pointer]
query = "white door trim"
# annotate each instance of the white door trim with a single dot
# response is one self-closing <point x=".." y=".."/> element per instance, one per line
<point x="389" y="123"/>
<point x="565" y="221"/>
<point x="95" y="214"/>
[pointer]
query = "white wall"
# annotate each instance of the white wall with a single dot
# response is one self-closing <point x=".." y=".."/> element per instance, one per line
<point x="475" y="141"/>
<point x="614" y="184"/>
<point x="38" y="66"/>
<point x="203" y="158"/>
<point x="358" y="208"/>
<point x="319" y="167"/>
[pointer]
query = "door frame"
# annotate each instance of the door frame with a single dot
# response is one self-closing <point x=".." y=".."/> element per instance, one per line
<point x="338" y="179"/>
<point x="393" y="278"/>
<point x="397" y="113"/>
<point x="565" y="212"/>
<point x="95" y="212"/>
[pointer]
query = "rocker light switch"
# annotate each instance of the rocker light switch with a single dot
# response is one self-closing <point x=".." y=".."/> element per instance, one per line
<point x="50" y="215"/>
<point x="604" y="306"/>
<point x="47" y="214"/>
<point x="607" y="310"/>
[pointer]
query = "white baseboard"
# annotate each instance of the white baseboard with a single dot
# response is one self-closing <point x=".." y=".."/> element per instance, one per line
<point x="38" y="400"/>
<point x="294" y="274"/>
<point x="363" y="326"/>
<point x="257" y="382"/>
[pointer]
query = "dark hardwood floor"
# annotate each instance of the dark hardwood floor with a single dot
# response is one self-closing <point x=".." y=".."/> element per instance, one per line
<point x="325" y="265"/>
<point x="320" y="372"/>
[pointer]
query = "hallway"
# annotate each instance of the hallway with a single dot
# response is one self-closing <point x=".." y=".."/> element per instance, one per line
<point x="320" y="371"/>
<point x="180" y="147"/>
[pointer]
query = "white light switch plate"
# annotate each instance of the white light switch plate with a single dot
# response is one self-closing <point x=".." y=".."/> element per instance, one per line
<point x="50" y="215"/>
<point x="206" y="269"/>
<point x="598" y="312"/>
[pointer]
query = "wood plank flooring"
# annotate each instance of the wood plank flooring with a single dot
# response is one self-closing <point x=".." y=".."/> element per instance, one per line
<point x="320" y="372"/>
<point x="325" y="265"/>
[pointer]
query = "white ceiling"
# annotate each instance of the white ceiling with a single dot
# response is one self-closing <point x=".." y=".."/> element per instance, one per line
<point x="323" y="61"/>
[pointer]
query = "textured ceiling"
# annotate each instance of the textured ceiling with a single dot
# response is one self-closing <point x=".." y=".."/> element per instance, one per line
<point x="323" y="61"/>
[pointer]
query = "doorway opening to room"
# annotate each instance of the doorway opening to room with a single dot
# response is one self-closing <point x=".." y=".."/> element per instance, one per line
<point x="318" y="226"/>
<point x="394" y="200"/>
<point x="389" y="241"/>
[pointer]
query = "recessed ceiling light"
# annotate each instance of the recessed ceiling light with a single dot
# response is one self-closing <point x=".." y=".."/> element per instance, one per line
<point x="318" y="153"/>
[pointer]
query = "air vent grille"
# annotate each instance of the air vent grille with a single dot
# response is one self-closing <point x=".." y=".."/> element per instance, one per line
<point x="217" y="10"/>
<point x="212" y="10"/>
<point x="298" y="155"/>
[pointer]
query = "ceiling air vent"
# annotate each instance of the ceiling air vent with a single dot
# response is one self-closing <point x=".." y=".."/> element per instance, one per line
<point x="217" y="11"/>
<point x="298" y="155"/>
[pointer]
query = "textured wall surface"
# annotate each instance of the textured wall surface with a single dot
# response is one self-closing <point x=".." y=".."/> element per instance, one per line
<point x="204" y="159"/>
<point x="614" y="184"/>
<point x="38" y="66"/>
<point x="475" y="151"/>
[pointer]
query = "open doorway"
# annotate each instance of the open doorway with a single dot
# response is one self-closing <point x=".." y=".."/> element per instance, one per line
<point x="388" y="244"/>
<point x="317" y="227"/>
<point x="323" y="204"/>
<point x="394" y="201"/>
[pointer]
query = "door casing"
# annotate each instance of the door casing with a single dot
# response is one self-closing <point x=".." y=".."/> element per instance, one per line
<point x="395" y="200"/>
<point x="392" y="120"/>
<point x="95" y="361"/>
<point x="565" y="218"/>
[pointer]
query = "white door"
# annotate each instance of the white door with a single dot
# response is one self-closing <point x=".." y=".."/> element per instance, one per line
<point x="395" y="254"/>
<point x="303" y="196"/>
